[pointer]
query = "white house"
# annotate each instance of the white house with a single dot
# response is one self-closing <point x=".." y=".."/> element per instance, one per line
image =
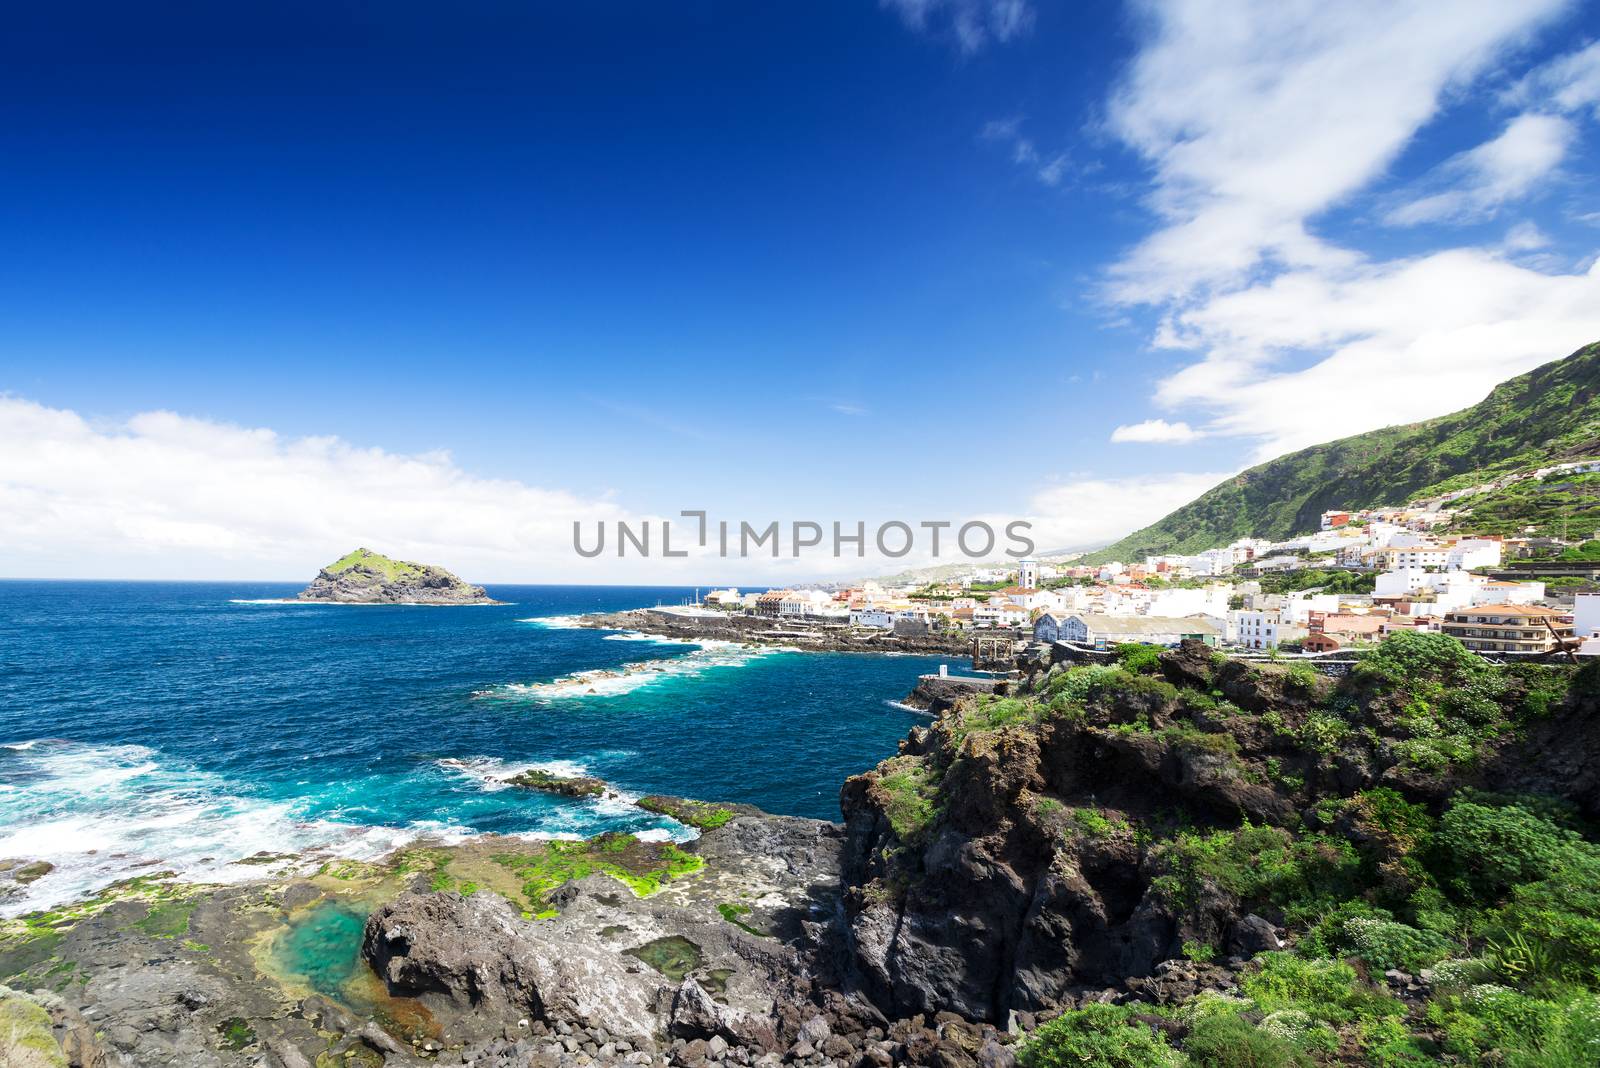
<point x="1001" y="614"/>
<point x="872" y="616"/>
<point x="1474" y="552"/>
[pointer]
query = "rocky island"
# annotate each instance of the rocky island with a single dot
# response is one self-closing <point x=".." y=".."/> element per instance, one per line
<point x="1164" y="858"/>
<point x="366" y="577"/>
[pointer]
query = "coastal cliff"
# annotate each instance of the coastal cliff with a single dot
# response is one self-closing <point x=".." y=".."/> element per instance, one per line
<point x="366" y="577"/>
<point x="1141" y="837"/>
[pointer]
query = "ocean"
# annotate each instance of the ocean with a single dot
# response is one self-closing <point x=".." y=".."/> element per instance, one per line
<point x="184" y="727"/>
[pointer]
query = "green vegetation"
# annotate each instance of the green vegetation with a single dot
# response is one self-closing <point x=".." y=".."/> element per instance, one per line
<point x="566" y="785"/>
<point x="1523" y="424"/>
<point x="236" y="1033"/>
<point x="1556" y="505"/>
<point x="25" y="1037"/>
<point x="1311" y="578"/>
<point x="698" y="814"/>
<point x="673" y="956"/>
<point x="734" y="913"/>
<point x="169" y="919"/>
<point x="912" y="787"/>
<point x="644" y="866"/>
<point x="1495" y="897"/>
<point x="367" y="560"/>
<point x="1101" y="1036"/>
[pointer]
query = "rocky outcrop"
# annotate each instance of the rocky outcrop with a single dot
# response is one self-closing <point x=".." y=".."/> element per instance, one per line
<point x="475" y="954"/>
<point x="366" y="577"/>
<point x="789" y="633"/>
<point x="575" y="786"/>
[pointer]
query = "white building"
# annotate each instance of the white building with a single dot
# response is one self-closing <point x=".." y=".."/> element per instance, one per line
<point x="1474" y="552"/>
<point x="1104" y="631"/>
<point x="797" y="604"/>
<point x="1001" y="614"/>
<point x="1424" y="556"/>
<point x="1028" y="574"/>
<point x="872" y="616"/>
<point x="1254" y="629"/>
<point x="1586" y="623"/>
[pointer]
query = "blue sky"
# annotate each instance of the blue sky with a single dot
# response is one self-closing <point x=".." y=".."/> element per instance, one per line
<point x="921" y="259"/>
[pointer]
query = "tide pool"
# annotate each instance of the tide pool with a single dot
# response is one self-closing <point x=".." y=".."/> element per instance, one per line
<point x="185" y="726"/>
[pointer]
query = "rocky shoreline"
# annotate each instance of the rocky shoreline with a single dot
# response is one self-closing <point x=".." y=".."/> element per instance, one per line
<point x="781" y="633"/>
<point x="1125" y="848"/>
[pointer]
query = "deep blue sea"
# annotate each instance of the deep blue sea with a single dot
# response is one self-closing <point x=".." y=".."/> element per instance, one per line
<point x="182" y="726"/>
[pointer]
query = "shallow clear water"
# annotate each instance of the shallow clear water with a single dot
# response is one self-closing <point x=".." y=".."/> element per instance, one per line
<point x="323" y="945"/>
<point x="165" y="725"/>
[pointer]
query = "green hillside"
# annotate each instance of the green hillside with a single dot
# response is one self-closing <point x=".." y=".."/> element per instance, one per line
<point x="377" y="563"/>
<point x="1549" y="415"/>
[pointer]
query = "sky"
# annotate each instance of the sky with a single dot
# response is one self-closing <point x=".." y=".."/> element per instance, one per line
<point x="444" y="281"/>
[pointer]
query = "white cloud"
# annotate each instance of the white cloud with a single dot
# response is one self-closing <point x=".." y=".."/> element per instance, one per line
<point x="163" y="495"/>
<point x="1256" y="116"/>
<point x="1049" y="170"/>
<point x="1570" y="82"/>
<point x="1481" y="180"/>
<point x="1155" y="431"/>
<point x="1396" y="342"/>
<point x="972" y="24"/>
<point x="1088" y="512"/>
<point x="1259" y="117"/>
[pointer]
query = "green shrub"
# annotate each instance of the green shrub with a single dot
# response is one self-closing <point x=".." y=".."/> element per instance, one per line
<point x="1261" y="864"/>
<point x="1097" y="1036"/>
<point x="1323" y="732"/>
<point x="1492" y="849"/>
<point x="1139" y="659"/>
<point x="1230" y="1042"/>
<point x="913" y="789"/>
<point x="1325" y="990"/>
<point x="1385" y="944"/>
<point x="1491" y="1017"/>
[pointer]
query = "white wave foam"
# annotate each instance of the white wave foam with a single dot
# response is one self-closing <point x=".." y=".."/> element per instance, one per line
<point x="101" y="814"/>
<point x="491" y="772"/>
<point x="902" y="706"/>
<point x="555" y="622"/>
<point x="614" y="682"/>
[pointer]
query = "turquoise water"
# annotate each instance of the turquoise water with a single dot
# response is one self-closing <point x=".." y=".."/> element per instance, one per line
<point x="324" y="946"/>
<point x="168" y="724"/>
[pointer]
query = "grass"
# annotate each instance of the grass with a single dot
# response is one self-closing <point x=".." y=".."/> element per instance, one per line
<point x="912" y="789"/>
<point x="391" y="570"/>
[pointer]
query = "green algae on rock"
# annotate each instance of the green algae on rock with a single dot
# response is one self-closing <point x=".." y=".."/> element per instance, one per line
<point x="576" y="786"/>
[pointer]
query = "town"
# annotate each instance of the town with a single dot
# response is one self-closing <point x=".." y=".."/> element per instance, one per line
<point x="1366" y="574"/>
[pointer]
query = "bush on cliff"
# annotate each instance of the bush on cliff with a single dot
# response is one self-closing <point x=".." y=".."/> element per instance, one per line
<point x="1231" y="1042"/>
<point x="1097" y="1036"/>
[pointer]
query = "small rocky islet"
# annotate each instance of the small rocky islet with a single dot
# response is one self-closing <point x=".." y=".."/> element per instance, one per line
<point x="366" y="577"/>
<point x="1164" y="858"/>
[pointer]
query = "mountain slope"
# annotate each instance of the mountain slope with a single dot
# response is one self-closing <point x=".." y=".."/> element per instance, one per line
<point x="1550" y="414"/>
